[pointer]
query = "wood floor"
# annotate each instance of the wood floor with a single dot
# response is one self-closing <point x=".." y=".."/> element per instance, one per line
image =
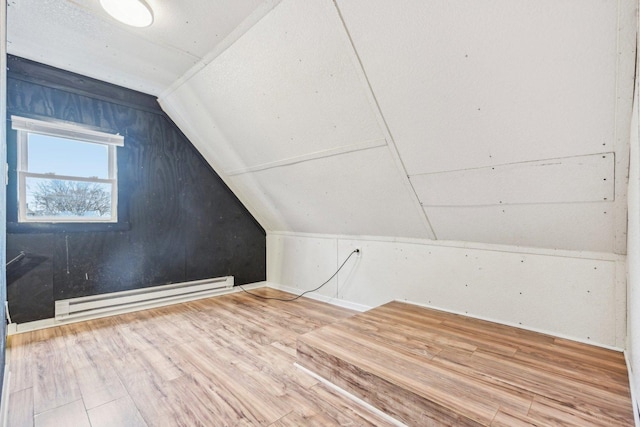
<point x="225" y="361"/>
<point x="228" y="361"/>
<point x="426" y="367"/>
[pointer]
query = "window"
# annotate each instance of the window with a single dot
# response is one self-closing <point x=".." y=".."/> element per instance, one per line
<point x="66" y="173"/>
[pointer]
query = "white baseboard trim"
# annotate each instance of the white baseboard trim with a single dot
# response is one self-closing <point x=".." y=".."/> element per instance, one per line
<point x="18" y="328"/>
<point x="514" y="325"/>
<point x="361" y="308"/>
<point x="319" y="297"/>
<point x="634" y="390"/>
<point x="352" y="397"/>
<point x="14" y="328"/>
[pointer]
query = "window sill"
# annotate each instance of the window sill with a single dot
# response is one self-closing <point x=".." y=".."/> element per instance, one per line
<point x="66" y="227"/>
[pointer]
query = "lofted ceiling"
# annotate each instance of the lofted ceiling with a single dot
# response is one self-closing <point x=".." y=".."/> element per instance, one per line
<point x="494" y="121"/>
<point x="79" y="36"/>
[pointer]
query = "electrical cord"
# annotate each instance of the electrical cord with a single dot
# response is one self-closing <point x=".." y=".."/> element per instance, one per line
<point x="355" y="251"/>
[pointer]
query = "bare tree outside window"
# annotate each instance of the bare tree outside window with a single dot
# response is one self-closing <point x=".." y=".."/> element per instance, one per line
<point x="56" y="197"/>
<point x="66" y="173"/>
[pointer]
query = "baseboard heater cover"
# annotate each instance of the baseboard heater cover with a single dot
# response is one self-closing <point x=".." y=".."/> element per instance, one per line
<point x="139" y="299"/>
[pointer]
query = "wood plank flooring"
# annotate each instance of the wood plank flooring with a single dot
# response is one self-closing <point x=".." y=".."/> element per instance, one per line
<point x="430" y="368"/>
<point x="228" y="361"/>
<point x="225" y="361"/>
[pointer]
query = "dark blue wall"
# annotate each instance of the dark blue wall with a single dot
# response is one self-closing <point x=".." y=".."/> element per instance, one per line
<point x="178" y="220"/>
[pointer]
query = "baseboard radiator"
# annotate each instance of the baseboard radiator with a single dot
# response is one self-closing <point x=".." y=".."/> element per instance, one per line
<point x="139" y="299"/>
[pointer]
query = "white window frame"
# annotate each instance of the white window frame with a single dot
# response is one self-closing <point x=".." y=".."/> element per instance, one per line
<point x="25" y="126"/>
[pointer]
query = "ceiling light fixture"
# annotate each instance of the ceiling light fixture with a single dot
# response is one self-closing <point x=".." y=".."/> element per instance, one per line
<point x="136" y="13"/>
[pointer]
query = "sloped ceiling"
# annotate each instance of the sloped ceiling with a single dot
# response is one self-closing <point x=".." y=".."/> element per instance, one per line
<point x="494" y="121"/>
<point x="79" y="36"/>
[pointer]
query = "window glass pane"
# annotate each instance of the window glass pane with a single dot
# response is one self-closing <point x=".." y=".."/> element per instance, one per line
<point x="60" y="156"/>
<point x="67" y="199"/>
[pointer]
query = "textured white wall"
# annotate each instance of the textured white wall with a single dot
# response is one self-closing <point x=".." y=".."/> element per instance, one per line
<point x="576" y="295"/>
<point x="442" y="120"/>
<point x="633" y="254"/>
<point x="475" y="93"/>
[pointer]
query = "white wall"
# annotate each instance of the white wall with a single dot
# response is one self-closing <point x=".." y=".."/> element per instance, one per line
<point x="633" y="250"/>
<point x="442" y="120"/>
<point x="576" y="295"/>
